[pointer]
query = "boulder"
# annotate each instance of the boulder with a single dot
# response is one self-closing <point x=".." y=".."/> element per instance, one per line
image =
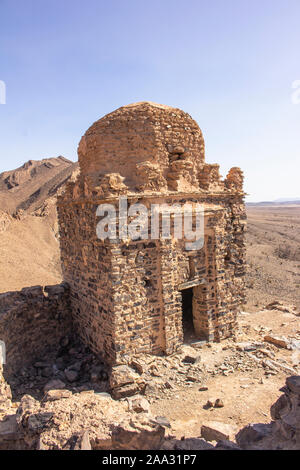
<point x="219" y="403"/>
<point x="8" y="429"/>
<point x="71" y="375"/>
<point x="125" y="382"/>
<point x="216" y="431"/>
<point x="250" y="436"/>
<point x="39" y="422"/>
<point x="227" y="445"/>
<point x="162" y="421"/>
<point x="125" y="391"/>
<point x="83" y="442"/>
<point x="139" y="366"/>
<point x="122" y="375"/>
<point x="138" y="404"/>
<point x="53" y="395"/>
<point x="192" y="444"/>
<point x="137" y="435"/>
<point x="247" y="347"/>
<point x="190" y="355"/>
<point x="54" y="384"/>
<point x="293" y="384"/>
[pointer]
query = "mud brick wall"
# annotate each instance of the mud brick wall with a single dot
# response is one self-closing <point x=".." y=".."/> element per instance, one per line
<point x="31" y="321"/>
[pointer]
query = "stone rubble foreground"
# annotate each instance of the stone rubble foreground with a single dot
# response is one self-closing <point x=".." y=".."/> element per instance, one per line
<point x="95" y="421"/>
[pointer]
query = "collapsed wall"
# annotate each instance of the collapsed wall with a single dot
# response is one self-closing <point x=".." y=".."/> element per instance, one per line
<point x="32" y="321"/>
<point x="89" y="421"/>
<point x="5" y="392"/>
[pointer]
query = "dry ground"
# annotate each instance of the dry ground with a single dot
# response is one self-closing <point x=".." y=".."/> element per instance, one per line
<point x="247" y="394"/>
<point x="273" y="255"/>
<point x="29" y="252"/>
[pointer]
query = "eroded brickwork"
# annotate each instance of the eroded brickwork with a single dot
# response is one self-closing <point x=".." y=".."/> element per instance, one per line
<point x="126" y="296"/>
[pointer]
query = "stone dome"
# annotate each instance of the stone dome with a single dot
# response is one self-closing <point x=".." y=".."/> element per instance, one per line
<point x="141" y="141"/>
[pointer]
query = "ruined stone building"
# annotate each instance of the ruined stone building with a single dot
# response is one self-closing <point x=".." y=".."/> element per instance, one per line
<point x="143" y="296"/>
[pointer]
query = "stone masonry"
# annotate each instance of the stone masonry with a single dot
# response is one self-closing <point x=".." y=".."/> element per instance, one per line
<point x="33" y="321"/>
<point x="127" y="297"/>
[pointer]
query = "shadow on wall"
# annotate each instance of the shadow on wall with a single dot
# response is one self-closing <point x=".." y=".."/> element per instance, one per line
<point x="31" y="321"/>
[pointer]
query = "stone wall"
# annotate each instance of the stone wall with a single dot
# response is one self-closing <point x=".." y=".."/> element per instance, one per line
<point x="31" y="321"/>
<point x="88" y="268"/>
<point x="126" y="296"/>
<point x="151" y="274"/>
<point x="5" y="393"/>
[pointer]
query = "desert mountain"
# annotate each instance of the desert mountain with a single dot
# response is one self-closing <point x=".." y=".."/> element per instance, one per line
<point x="28" y="187"/>
<point x="29" y="249"/>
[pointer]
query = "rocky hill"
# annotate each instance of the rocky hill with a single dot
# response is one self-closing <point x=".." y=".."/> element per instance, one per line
<point x="28" y="187"/>
<point x="29" y="248"/>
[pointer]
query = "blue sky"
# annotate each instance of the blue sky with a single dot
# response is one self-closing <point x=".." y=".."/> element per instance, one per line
<point x="229" y="63"/>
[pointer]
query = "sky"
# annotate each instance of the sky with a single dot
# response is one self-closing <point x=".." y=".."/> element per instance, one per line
<point x="230" y="64"/>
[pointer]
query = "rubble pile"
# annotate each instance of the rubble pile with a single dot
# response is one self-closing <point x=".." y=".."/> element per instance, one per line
<point x="82" y="421"/>
<point x="72" y="366"/>
<point x="157" y="375"/>
<point x="89" y="420"/>
<point x="161" y="376"/>
<point x="284" y="430"/>
<point x="5" y="393"/>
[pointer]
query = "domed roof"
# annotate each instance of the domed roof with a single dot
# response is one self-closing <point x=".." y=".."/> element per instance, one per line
<point x="144" y="133"/>
<point x="148" y="103"/>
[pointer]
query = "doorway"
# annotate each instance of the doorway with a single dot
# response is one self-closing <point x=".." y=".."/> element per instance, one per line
<point x="187" y="315"/>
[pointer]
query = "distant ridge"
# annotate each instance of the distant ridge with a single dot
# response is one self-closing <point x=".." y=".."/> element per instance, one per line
<point x="29" y="249"/>
<point x="29" y="186"/>
<point x="287" y="199"/>
<point x="276" y="202"/>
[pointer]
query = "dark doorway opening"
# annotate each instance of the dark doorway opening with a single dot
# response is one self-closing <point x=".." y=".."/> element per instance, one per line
<point x="187" y="315"/>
